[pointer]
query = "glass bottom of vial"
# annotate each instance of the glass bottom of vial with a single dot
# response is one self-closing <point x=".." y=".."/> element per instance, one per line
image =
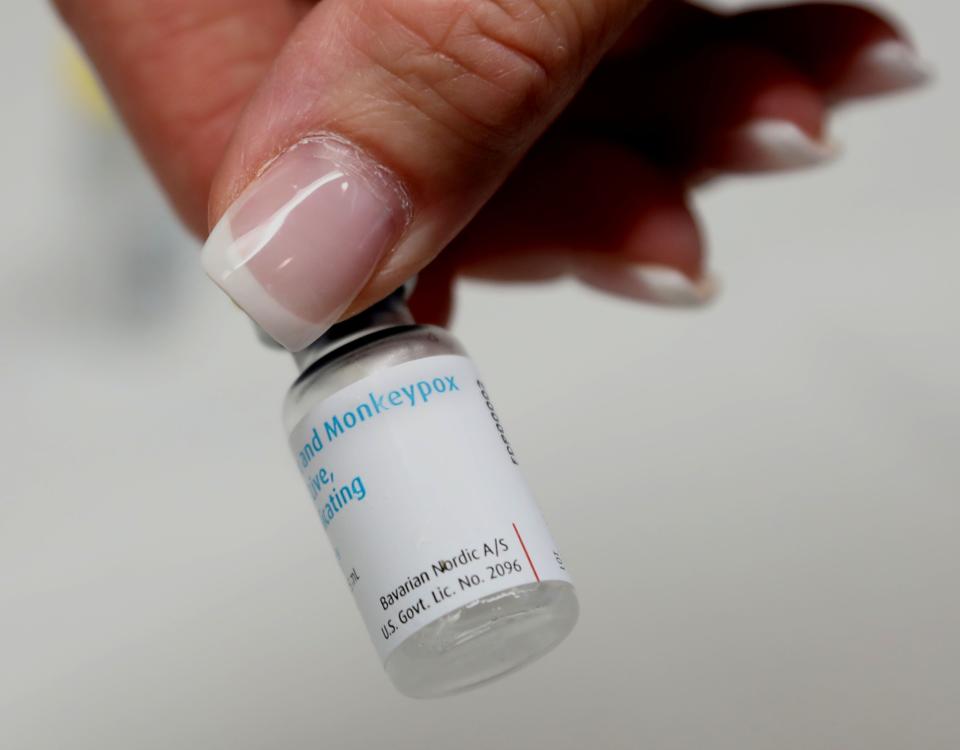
<point x="484" y="640"/>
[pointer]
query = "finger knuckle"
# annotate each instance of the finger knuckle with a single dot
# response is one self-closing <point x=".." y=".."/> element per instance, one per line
<point x="479" y="66"/>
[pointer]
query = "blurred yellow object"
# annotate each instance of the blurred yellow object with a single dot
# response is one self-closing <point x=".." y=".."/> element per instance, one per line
<point x="82" y="86"/>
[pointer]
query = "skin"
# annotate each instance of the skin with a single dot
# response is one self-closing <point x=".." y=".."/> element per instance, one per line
<point x="491" y="113"/>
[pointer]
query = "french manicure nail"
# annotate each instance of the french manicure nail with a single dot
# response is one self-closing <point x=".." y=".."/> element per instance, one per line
<point x="654" y="284"/>
<point x="882" y="67"/>
<point x="770" y="145"/>
<point x="305" y="236"/>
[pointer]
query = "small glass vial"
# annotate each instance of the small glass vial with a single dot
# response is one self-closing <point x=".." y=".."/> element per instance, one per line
<point x="448" y="558"/>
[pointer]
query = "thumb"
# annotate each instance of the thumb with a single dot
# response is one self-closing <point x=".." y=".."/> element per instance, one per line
<point x="382" y="128"/>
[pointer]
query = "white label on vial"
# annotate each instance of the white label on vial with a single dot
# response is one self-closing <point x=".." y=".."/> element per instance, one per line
<point x="421" y="495"/>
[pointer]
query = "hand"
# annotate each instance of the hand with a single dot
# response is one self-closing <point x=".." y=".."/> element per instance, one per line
<point x="338" y="147"/>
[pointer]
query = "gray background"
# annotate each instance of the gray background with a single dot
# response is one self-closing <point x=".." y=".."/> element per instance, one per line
<point x="759" y="502"/>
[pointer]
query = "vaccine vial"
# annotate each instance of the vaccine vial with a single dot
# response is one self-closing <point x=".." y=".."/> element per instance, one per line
<point x="420" y="492"/>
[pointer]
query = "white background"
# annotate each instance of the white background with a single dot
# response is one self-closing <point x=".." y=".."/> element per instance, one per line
<point x="759" y="502"/>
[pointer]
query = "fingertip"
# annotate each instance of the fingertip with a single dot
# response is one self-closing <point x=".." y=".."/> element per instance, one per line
<point x="739" y="107"/>
<point x="883" y="67"/>
<point x="663" y="286"/>
<point x="664" y="234"/>
<point x="848" y="51"/>
<point x="770" y="145"/>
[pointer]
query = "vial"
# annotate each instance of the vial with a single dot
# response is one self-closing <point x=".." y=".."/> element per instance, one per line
<point x="420" y="493"/>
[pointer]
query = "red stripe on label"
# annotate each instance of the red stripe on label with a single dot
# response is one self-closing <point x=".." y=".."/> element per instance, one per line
<point x="529" y="559"/>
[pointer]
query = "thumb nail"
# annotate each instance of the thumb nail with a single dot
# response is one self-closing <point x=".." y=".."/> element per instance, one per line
<point x="302" y="240"/>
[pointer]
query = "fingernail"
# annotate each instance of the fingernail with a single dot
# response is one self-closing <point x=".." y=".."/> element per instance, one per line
<point x="653" y="284"/>
<point x="770" y="145"/>
<point x="882" y="67"/>
<point x="304" y="238"/>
